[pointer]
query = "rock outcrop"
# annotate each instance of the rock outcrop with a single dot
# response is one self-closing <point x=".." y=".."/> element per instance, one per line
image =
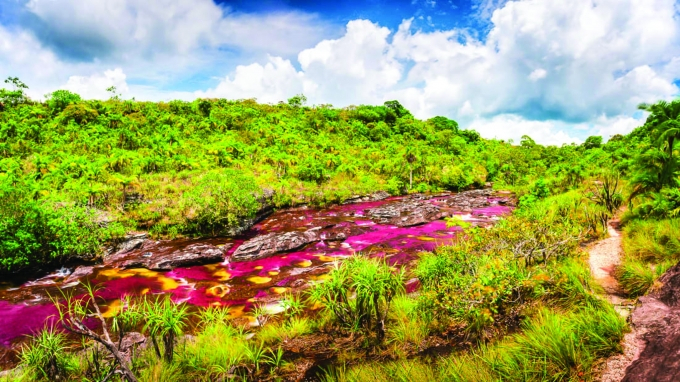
<point x="166" y="256"/>
<point x="272" y="243"/>
<point x="380" y="195"/>
<point x="406" y="213"/>
<point x="466" y="201"/>
<point x="658" y="317"/>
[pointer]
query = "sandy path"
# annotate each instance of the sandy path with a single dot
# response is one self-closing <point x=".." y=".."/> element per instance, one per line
<point x="605" y="255"/>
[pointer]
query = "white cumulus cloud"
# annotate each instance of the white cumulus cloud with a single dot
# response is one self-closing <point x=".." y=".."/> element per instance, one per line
<point x="95" y="85"/>
<point x="558" y="70"/>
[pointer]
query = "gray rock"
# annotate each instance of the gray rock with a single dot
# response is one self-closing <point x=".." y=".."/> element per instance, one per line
<point x="406" y="213"/>
<point x="156" y="256"/>
<point x="272" y="243"/>
<point x="380" y="195"/>
<point x="267" y="245"/>
<point x="79" y="273"/>
<point x="129" y="243"/>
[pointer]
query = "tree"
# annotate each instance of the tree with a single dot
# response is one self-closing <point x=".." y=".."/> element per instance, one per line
<point x="60" y="99"/>
<point x="16" y="96"/>
<point x="297" y="100"/>
<point x="443" y="123"/>
<point x="397" y="108"/>
<point x="664" y="122"/>
<point x="656" y="167"/>
<point x="592" y="142"/>
<point x="527" y="142"/>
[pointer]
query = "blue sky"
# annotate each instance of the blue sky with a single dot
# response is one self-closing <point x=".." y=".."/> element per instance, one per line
<point x="557" y="70"/>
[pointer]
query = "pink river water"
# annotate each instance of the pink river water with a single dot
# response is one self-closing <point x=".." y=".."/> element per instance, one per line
<point x="27" y="308"/>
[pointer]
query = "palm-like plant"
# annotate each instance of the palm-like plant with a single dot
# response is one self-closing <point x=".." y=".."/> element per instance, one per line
<point x="664" y="121"/>
<point x="166" y="320"/>
<point x="359" y="292"/>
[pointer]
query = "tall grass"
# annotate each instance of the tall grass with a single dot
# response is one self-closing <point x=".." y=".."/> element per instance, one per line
<point x="652" y="241"/>
<point x="166" y="320"/>
<point x="45" y="356"/>
<point x="554" y="345"/>
<point x="650" y="248"/>
<point x="358" y="292"/>
<point x="637" y="277"/>
<point x="408" y="324"/>
<point x="215" y="351"/>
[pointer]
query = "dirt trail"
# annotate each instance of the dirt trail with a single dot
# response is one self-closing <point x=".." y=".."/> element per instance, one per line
<point x="605" y="256"/>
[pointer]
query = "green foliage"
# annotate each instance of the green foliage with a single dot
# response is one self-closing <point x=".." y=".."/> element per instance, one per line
<point x="636" y="277"/>
<point x="58" y="100"/>
<point x="45" y="356"/>
<point x="495" y="270"/>
<point x="215" y="350"/>
<point x="39" y="234"/>
<point x="552" y="346"/>
<point x="593" y="142"/>
<point x="220" y="200"/>
<point x="653" y="241"/>
<point x="358" y="292"/>
<point x="166" y="320"/>
<point x="13" y="97"/>
<point x="195" y="168"/>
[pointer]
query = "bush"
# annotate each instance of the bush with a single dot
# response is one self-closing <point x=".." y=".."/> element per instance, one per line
<point x="220" y="200"/>
<point x="39" y="235"/>
<point x="60" y="99"/>
<point x="45" y="356"/>
<point x="636" y="277"/>
<point x="358" y="293"/>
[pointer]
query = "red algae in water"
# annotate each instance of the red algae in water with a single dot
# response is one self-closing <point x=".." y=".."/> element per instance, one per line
<point x="206" y="285"/>
<point x="18" y="320"/>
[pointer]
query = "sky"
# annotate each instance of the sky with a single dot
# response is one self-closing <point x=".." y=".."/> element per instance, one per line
<point x="556" y="70"/>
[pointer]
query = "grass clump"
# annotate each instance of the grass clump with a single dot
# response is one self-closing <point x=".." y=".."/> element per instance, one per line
<point x="637" y="277"/>
<point x="554" y="345"/>
<point x="650" y="248"/>
<point x="358" y="293"/>
<point x="652" y="241"/>
<point x="45" y="357"/>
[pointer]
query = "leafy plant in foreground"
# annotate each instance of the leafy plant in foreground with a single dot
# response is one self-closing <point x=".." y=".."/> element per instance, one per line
<point x="45" y="356"/>
<point x="358" y="292"/>
<point x="166" y="320"/>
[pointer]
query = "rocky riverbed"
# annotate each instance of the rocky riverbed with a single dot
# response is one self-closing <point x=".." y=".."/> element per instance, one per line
<point x="282" y="253"/>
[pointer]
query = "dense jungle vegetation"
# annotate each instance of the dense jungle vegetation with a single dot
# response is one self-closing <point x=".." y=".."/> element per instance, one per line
<point x="514" y="302"/>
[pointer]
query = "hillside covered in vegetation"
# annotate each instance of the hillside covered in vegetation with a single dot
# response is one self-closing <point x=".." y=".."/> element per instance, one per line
<point x="74" y="173"/>
<point x="512" y="302"/>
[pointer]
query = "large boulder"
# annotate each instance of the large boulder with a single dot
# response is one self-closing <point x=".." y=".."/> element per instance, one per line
<point x="406" y="213"/>
<point x="466" y="201"/>
<point x="168" y="255"/>
<point x="276" y="242"/>
<point x="658" y="317"/>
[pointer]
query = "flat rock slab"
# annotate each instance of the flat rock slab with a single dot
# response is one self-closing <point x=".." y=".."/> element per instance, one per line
<point x="406" y="213"/>
<point x="275" y="242"/>
<point x="167" y="255"/>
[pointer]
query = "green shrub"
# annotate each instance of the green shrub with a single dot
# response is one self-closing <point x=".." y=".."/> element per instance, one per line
<point x="46" y="358"/>
<point x="358" y="292"/>
<point x="165" y="320"/>
<point x="220" y="200"/>
<point x="40" y="234"/>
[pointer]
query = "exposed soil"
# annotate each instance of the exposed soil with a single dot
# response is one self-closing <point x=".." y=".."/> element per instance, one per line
<point x="605" y="256"/>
